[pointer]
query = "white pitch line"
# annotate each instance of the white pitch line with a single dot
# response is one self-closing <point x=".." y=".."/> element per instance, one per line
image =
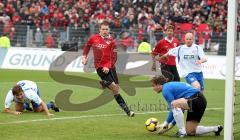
<point x="87" y="116"/>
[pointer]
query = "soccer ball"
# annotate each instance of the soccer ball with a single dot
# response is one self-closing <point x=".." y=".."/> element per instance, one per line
<point x="151" y="124"/>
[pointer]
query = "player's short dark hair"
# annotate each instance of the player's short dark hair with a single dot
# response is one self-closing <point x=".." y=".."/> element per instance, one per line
<point x="105" y="23"/>
<point x="16" y="89"/>
<point x="159" y="80"/>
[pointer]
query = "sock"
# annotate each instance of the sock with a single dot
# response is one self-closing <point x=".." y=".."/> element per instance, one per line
<point x="121" y="103"/>
<point x="204" y="130"/>
<point x="50" y="105"/>
<point x="179" y="118"/>
<point x="173" y="122"/>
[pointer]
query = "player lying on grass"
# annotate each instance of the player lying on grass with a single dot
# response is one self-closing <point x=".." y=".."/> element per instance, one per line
<point x="181" y="96"/>
<point x="24" y="93"/>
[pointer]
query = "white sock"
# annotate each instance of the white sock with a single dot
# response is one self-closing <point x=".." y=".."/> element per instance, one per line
<point x="179" y="118"/>
<point x="206" y="129"/>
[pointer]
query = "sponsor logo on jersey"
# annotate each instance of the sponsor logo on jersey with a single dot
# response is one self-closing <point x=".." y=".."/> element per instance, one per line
<point x="188" y="57"/>
<point x="101" y="46"/>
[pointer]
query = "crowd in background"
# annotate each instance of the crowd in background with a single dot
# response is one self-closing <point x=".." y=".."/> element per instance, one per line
<point x="140" y="16"/>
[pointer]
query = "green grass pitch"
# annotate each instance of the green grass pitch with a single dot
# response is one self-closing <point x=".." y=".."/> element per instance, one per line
<point x="106" y="122"/>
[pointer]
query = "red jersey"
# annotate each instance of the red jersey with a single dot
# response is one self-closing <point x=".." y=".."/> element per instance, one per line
<point x="163" y="46"/>
<point x="103" y="51"/>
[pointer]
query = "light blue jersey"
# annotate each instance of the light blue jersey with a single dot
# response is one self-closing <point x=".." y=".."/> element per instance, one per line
<point x="187" y="57"/>
<point x="176" y="90"/>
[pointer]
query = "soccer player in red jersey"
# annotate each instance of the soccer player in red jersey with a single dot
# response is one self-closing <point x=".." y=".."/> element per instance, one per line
<point x="168" y="67"/>
<point x="105" y="57"/>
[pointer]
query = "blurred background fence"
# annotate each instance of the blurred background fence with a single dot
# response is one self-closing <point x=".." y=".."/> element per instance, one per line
<point x="54" y="24"/>
<point x="127" y="39"/>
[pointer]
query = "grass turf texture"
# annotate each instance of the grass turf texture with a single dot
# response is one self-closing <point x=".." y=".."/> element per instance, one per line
<point x="105" y="122"/>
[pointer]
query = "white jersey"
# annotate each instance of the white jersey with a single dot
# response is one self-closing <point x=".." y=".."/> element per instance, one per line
<point x="187" y="57"/>
<point x="30" y="93"/>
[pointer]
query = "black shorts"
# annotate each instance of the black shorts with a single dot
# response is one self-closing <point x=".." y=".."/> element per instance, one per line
<point x="170" y="72"/>
<point x="197" y="104"/>
<point x="108" y="78"/>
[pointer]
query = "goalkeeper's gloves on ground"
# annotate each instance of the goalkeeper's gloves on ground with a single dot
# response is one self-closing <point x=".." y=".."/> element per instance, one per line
<point x="163" y="128"/>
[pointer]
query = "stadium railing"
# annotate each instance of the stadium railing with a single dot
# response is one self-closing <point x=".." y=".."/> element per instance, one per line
<point x="25" y="36"/>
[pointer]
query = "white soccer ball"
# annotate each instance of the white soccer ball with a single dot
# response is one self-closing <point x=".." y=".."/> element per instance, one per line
<point x="151" y="124"/>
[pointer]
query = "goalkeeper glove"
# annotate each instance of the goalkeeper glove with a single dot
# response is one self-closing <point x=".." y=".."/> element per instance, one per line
<point x="163" y="128"/>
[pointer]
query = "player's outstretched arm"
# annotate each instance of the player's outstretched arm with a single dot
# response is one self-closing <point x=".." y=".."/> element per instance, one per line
<point x="164" y="127"/>
<point x="163" y="58"/>
<point x="203" y="60"/>
<point x="44" y="106"/>
<point x="8" y="110"/>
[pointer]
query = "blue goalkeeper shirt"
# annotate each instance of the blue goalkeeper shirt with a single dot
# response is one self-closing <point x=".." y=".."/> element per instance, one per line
<point x="176" y="90"/>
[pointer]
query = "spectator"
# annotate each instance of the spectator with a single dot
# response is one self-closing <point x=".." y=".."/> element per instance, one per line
<point x="140" y="33"/>
<point x="49" y="40"/>
<point x="122" y="13"/>
<point x="4" y="41"/>
<point x="144" y="47"/>
<point x="39" y="38"/>
<point x="12" y="36"/>
<point x="126" y="41"/>
<point x="158" y="32"/>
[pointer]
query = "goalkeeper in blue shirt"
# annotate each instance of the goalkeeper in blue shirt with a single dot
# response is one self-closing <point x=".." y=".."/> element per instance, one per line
<point x="181" y="96"/>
